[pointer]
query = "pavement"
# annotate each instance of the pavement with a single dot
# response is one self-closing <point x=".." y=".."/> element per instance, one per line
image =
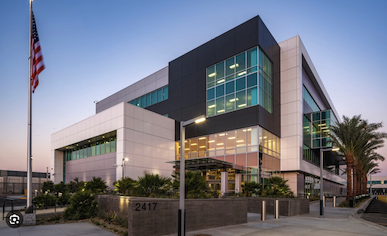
<point x="337" y="221"/>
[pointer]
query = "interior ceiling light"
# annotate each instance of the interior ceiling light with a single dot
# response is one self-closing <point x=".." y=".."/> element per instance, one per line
<point x="212" y="106"/>
<point x="242" y="105"/>
<point x="240" y="141"/>
<point x="231" y="138"/>
<point x="212" y="74"/>
<point x="221" y="134"/>
<point x="202" y="138"/>
<point x="211" y="141"/>
<point x="233" y="66"/>
<point x="220" y="111"/>
<point x="242" y="73"/>
<point x="194" y="144"/>
<point x="220" y="81"/>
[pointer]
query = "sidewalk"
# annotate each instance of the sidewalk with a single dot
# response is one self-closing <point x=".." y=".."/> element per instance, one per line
<point x="337" y="222"/>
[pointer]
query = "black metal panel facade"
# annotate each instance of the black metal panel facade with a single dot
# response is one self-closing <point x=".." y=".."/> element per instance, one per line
<point x="187" y="82"/>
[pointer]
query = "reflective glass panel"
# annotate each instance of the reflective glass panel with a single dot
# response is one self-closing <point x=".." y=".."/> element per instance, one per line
<point x="241" y="99"/>
<point x="220" y="105"/>
<point x="230" y="102"/>
<point x="241" y="83"/>
<point x="252" y="57"/>
<point x="211" y="94"/>
<point x="165" y="93"/>
<point x="220" y="70"/>
<point x="252" y="96"/>
<point x="230" y="66"/>
<point x="230" y="87"/>
<point x="240" y="62"/>
<point x="220" y="90"/>
<point x="211" y="108"/>
<point x="211" y="74"/>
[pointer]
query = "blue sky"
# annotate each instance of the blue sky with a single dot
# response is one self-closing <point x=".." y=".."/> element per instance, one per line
<point x="95" y="48"/>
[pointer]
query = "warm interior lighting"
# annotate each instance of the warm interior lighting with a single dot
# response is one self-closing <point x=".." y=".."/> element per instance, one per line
<point x="264" y="137"/>
<point x="126" y="159"/>
<point x="220" y="111"/>
<point x="194" y="144"/>
<point x="211" y="141"/>
<point x="212" y="106"/>
<point x="249" y="129"/>
<point x="233" y="100"/>
<point x="221" y="134"/>
<point x="200" y="120"/>
<point x="202" y="146"/>
<point x="240" y="141"/>
<point x="212" y="75"/>
<point x="219" y="144"/>
<point x="231" y="138"/>
<point x="220" y="81"/>
<point x="202" y="138"/>
<point x="186" y="149"/>
<point x="242" y="105"/>
<point x="233" y="66"/>
<point x="335" y="149"/>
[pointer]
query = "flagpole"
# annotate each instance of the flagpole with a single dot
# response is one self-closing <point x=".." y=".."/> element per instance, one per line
<point x="29" y="130"/>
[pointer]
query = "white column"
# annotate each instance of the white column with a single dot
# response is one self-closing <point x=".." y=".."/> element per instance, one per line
<point x="238" y="181"/>
<point x="224" y="182"/>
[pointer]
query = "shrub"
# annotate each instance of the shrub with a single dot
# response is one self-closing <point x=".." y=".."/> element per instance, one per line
<point x="152" y="184"/>
<point x="44" y="200"/>
<point x="48" y="186"/>
<point x="83" y="206"/>
<point x="75" y="186"/>
<point x="96" y="185"/>
<point x="64" y="199"/>
<point x="195" y="184"/>
<point x="126" y="186"/>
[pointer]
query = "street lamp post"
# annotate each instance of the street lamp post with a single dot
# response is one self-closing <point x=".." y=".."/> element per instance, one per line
<point x="322" y="179"/>
<point x="123" y="166"/>
<point x="181" y="213"/>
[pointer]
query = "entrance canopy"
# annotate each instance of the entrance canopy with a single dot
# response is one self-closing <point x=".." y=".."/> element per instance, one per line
<point x="206" y="163"/>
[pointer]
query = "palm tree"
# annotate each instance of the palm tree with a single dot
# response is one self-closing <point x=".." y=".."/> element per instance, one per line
<point x="152" y="185"/>
<point x="357" y="140"/>
<point x="195" y="184"/>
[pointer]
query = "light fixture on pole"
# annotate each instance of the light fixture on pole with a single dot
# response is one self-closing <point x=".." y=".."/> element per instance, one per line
<point x="181" y="213"/>
<point x="322" y="179"/>
<point x="123" y="166"/>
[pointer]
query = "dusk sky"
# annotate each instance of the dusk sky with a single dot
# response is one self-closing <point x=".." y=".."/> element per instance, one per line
<point x="93" y="49"/>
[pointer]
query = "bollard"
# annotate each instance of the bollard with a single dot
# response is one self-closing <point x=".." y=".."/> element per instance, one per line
<point x="3" y="209"/>
<point x="334" y="201"/>
<point x="324" y="201"/>
<point x="276" y="209"/>
<point x="263" y="211"/>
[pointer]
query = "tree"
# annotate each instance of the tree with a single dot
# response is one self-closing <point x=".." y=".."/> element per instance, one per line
<point x="195" y="184"/>
<point x="82" y="206"/>
<point x="96" y="185"/>
<point x="277" y="187"/>
<point x="126" y="186"/>
<point x="357" y="141"/>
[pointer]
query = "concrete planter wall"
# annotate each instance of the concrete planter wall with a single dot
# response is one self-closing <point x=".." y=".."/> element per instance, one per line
<point x="287" y="206"/>
<point x="158" y="216"/>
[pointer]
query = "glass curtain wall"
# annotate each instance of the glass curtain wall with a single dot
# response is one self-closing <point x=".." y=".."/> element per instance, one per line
<point x="234" y="83"/>
<point x="98" y="145"/>
<point x="151" y="98"/>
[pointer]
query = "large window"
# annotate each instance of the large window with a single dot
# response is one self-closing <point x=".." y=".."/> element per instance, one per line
<point x="102" y="144"/>
<point x="241" y="81"/>
<point x="309" y="100"/>
<point x="151" y="98"/>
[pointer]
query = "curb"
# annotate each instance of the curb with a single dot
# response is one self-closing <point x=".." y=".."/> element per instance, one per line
<point x="362" y="206"/>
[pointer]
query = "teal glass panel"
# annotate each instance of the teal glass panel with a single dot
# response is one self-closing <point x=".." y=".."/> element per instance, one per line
<point x="143" y="101"/>
<point x="103" y="150"/>
<point x="219" y="90"/>
<point x="252" y="57"/>
<point x="89" y="151"/>
<point x="133" y="102"/>
<point x="240" y="83"/>
<point x="211" y="84"/>
<point x="241" y="99"/>
<point x="211" y="74"/>
<point x="252" y="96"/>
<point x="240" y="62"/>
<point x="252" y="80"/>
<point x="230" y="66"/>
<point x="107" y="146"/>
<point x="220" y="105"/>
<point x="230" y="87"/>
<point x="113" y="146"/>
<point x="325" y="142"/>
<point x="220" y="81"/>
<point x="93" y="150"/>
<point x="98" y="149"/>
<point x="316" y="116"/>
<point x="148" y="100"/>
<point x="165" y="93"/>
<point x="241" y="73"/>
<point x="260" y="97"/>
<point x="316" y="143"/>
<point x="230" y="102"/>
<point x="252" y="70"/>
<point x="154" y="97"/>
<point x="159" y="95"/>
<point x="316" y="131"/>
<point x="260" y="81"/>
<point x="220" y="70"/>
<point x="230" y="77"/>
<point x="211" y="108"/>
<point x="138" y="102"/>
<point x="210" y="94"/>
<point x="260" y="58"/>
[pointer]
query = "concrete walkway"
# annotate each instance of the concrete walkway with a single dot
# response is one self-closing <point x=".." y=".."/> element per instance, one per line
<point x="337" y="222"/>
<point x="70" y="229"/>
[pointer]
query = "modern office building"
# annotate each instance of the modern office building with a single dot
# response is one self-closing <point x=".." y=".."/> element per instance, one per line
<point x="267" y="114"/>
<point x="15" y="182"/>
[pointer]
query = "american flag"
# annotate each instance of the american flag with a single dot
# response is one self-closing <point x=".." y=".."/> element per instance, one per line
<point x="37" y="65"/>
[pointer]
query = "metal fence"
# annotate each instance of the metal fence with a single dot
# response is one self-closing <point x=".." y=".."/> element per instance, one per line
<point x="19" y="188"/>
